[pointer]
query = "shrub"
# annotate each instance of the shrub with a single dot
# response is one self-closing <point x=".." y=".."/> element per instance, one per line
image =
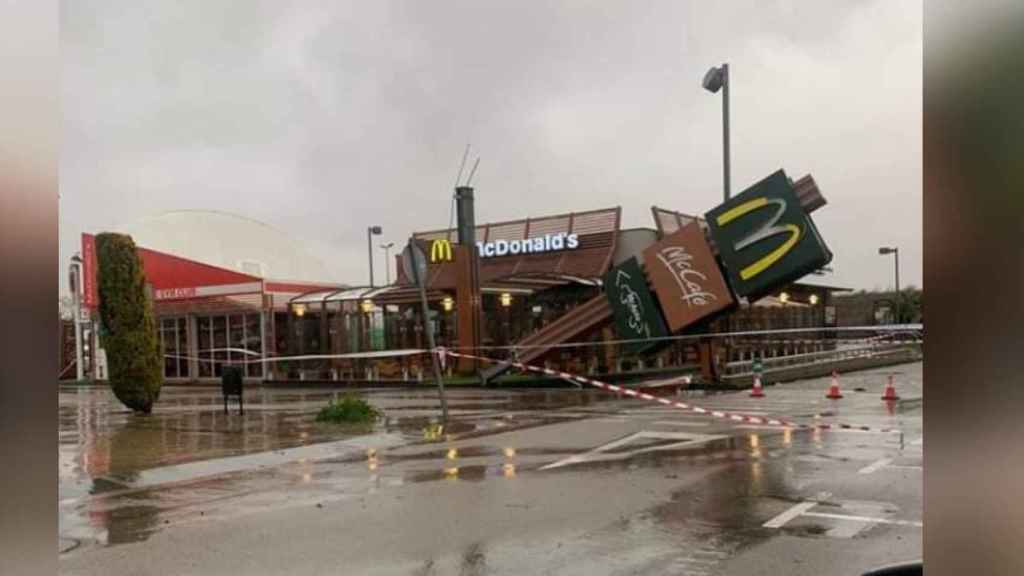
<point x="128" y="330"/>
<point x="350" y="409"/>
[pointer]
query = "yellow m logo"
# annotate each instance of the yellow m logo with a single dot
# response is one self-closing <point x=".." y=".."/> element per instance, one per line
<point x="767" y="230"/>
<point x="441" y="251"/>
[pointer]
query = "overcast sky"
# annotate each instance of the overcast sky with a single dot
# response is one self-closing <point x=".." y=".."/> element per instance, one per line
<point x="320" y="118"/>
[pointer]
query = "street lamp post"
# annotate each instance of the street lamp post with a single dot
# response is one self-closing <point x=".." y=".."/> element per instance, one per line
<point x="370" y="231"/>
<point x="895" y="251"/>
<point x="387" y="262"/>
<point x="718" y="78"/>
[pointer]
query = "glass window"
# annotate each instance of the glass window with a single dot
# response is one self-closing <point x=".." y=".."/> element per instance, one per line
<point x="236" y="331"/>
<point x="220" y="343"/>
<point x="254" y="344"/>
<point x="169" y="347"/>
<point x="183" y="348"/>
<point x="204" y="342"/>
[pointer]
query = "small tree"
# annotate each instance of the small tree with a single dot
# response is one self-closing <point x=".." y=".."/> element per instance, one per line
<point x="129" y="331"/>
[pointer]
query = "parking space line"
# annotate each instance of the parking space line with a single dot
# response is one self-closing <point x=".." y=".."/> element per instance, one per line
<point x="863" y="519"/>
<point x="875" y="466"/>
<point x="782" y="519"/>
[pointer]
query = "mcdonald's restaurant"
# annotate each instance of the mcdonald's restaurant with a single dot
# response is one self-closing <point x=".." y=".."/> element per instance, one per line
<point x="578" y="292"/>
<point x="575" y="291"/>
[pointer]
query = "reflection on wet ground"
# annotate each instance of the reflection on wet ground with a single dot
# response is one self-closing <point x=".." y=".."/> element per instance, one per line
<point x="693" y="505"/>
<point x="106" y="450"/>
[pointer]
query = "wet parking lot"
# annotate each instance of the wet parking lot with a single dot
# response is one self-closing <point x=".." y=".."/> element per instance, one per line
<point x="524" y="481"/>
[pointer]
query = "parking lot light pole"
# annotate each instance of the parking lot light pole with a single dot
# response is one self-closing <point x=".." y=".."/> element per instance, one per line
<point x="369" y="247"/>
<point x="718" y="78"/>
<point x="885" y="250"/>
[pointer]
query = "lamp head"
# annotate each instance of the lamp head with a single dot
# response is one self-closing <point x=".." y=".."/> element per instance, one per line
<point x="714" y="79"/>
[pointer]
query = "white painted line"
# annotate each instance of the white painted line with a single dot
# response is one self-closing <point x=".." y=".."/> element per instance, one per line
<point x="875" y="466"/>
<point x="600" y="453"/>
<point x="682" y="423"/>
<point x="758" y="427"/>
<point x="862" y="519"/>
<point x="782" y="519"/>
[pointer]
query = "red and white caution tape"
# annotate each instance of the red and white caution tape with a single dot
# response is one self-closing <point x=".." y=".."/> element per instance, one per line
<point x="721" y="414"/>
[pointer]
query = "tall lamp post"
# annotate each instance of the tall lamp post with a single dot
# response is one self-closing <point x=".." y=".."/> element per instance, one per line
<point x="387" y="261"/>
<point x="718" y="78"/>
<point x="885" y="250"/>
<point x="370" y="231"/>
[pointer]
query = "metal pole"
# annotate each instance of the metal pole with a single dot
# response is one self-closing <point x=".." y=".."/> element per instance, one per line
<point x="725" y="127"/>
<point x="369" y="250"/>
<point x="430" y="334"/>
<point x="896" y="252"/>
<point x="77" y="320"/>
<point x="387" y="265"/>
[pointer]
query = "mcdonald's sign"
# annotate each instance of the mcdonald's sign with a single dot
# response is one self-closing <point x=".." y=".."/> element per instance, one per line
<point x="441" y="251"/>
<point x="765" y="239"/>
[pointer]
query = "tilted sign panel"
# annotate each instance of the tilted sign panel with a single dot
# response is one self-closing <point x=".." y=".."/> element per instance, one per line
<point x="635" y="312"/>
<point x="686" y="278"/>
<point x="765" y="239"/>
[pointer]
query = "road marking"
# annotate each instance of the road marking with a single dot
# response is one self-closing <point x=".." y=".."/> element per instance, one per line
<point x="598" y="454"/>
<point x="906" y="467"/>
<point x="875" y="466"/>
<point x="797" y="510"/>
<point x="757" y="427"/>
<point x="676" y="423"/>
<point x="863" y="519"/>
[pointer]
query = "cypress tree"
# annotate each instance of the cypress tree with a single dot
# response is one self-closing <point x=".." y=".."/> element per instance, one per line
<point x="128" y="328"/>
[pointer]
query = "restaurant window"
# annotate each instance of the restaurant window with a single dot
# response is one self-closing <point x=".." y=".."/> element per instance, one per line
<point x="183" y="348"/>
<point x="220" y="344"/>
<point x="204" y="338"/>
<point x="254" y="344"/>
<point x="174" y="347"/>
<point x="169" y="347"/>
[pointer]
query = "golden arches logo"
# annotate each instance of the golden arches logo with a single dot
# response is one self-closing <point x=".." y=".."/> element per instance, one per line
<point x="441" y="251"/>
<point x="767" y="230"/>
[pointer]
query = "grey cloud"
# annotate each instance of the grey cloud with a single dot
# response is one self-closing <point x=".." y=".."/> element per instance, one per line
<point x="323" y="117"/>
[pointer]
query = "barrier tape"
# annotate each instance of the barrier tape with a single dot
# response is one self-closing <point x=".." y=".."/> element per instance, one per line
<point x="720" y="414"/>
<point x="890" y="331"/>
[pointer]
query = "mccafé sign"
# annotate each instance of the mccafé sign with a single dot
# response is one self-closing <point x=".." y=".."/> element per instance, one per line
<point x="686" y="279"/>
<point x="441" y="249"/>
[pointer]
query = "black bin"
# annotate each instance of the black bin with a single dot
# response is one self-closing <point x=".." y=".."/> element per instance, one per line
<point x="231" y="385"/>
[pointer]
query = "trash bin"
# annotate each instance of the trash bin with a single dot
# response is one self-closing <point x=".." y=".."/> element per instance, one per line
<point x="231" y="385"/>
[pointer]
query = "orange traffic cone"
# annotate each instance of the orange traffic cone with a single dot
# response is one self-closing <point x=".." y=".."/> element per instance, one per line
<point x="758" y="390"/>
<point x="833" y="390"/>
<point x="890" y="391"/>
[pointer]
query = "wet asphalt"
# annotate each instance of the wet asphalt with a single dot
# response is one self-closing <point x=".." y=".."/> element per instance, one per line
<point x="519" y="482"/>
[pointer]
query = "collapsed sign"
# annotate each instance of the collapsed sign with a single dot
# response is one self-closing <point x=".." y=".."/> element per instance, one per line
<point x="635" y="312"/>
<point x="686" y="279"/>
<point x="765" y="239"/>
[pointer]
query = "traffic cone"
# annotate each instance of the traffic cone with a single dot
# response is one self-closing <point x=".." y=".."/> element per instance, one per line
<point x="758" y="390"/>
<point x="833" y="390"/>
<point x="890" y="391"/>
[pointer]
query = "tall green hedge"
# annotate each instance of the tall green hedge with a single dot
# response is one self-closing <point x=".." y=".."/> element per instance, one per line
<point x="128" y="329"/>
